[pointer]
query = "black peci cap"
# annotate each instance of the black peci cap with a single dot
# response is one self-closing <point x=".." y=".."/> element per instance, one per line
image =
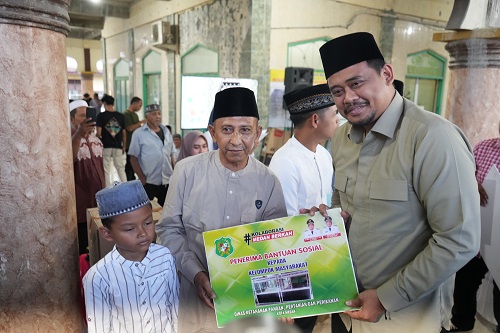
<point x="348" y="50"/>
<point x="235" y="102"/>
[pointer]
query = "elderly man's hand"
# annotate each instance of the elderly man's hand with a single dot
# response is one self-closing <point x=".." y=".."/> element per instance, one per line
<point x="311" y="211"/>
<point x="205" y="292"/>
<point x="322" y="210"/>
<point x="371" y="307"/>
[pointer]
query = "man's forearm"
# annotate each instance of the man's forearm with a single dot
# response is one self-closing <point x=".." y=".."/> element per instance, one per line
<point x="133" y="127"/>
<point x="137" y="168"/>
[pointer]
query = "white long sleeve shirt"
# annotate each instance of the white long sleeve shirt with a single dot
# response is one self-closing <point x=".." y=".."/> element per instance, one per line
<point x="305" y="176"/>
<point x="127" y="296"/>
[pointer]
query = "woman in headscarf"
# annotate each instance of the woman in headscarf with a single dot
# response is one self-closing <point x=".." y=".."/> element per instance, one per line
<point x="193" y="143"/>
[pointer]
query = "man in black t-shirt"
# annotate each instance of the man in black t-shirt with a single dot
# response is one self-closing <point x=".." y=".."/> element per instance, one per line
<point x="111" y="131"/>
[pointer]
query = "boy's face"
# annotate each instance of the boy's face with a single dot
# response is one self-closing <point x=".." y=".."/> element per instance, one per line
<point x="132" y="232"/>
<point x="177" y="142"/>
<point x="328" y="122"/>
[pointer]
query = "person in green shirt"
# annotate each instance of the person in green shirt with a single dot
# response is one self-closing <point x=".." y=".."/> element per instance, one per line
<point x="132" y="123"/>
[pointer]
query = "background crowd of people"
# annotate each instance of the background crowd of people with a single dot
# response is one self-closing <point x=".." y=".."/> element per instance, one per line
<point x="102" y="150"/>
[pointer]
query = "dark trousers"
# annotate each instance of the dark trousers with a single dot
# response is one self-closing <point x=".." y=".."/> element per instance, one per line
<point x="467" y="282"/>
<point x="306" y="324"/>
<point x="156" y="191"/>
<point x="83" y="238"/>
<point x="338" y="325"/>
<point x="129" y="171"/>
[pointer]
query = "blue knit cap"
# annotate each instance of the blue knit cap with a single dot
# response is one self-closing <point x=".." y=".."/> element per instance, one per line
<point x="120" y="198"/>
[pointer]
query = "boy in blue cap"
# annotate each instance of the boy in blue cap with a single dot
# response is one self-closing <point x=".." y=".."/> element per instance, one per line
<point x="135" y="287"/>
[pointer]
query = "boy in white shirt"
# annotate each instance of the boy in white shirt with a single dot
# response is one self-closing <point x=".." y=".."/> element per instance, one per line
<point x="135" y="287"/>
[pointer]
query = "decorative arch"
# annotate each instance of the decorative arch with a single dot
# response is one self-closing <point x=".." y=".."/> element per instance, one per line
<point x="200" y="61"/>
<point x="425" y="72"/>
<point x="121" y="77"/>
<point x="151" y="77"/>
<point x="306" y="54"/>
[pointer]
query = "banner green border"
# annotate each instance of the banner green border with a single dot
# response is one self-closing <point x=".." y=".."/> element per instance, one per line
<point x="270" y="267"/>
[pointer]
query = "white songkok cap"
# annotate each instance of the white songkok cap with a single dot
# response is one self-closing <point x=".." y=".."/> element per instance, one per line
<point x="75" y="104"/>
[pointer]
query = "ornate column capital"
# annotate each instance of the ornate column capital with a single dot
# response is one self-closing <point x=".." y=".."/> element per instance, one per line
<point x="48" y="14"/>
<point x="474" y="53"/>
<point x="472" y="48"/>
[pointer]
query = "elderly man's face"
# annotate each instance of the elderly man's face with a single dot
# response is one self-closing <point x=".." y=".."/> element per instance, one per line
<point x="80" y="116"/>
<point x="154" y="118"/>
<point x="361" y="94"/>
<point x="236" y="137"/>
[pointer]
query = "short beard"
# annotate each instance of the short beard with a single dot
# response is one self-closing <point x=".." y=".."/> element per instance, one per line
<point x="363" y="122"/>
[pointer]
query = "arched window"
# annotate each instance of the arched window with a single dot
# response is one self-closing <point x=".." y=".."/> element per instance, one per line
<point x="121" y="84"/>
<point x="151" y="78"/>
<point x="424" y="79"/>
<point x="306" y="54"/>
<point x="301" y="54"/>
<point x="200" y="61"/>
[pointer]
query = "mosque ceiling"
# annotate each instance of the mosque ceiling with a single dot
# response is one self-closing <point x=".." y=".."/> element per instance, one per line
<point x="87" y="16"/>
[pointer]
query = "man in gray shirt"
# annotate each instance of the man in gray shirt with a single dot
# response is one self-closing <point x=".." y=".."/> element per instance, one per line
<point x="406" y="178"/>
<point x="213" y="190"/>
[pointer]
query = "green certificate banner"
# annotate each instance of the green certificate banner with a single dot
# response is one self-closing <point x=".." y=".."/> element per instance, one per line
<point x="296" y="266"/>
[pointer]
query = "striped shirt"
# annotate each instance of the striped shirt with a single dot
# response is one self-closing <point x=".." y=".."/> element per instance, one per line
<point x="487" y="154"/>
<point x="127" y="296"/>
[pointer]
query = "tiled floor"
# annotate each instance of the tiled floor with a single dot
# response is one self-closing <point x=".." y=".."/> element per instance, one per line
<point x="323" y="325"/>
